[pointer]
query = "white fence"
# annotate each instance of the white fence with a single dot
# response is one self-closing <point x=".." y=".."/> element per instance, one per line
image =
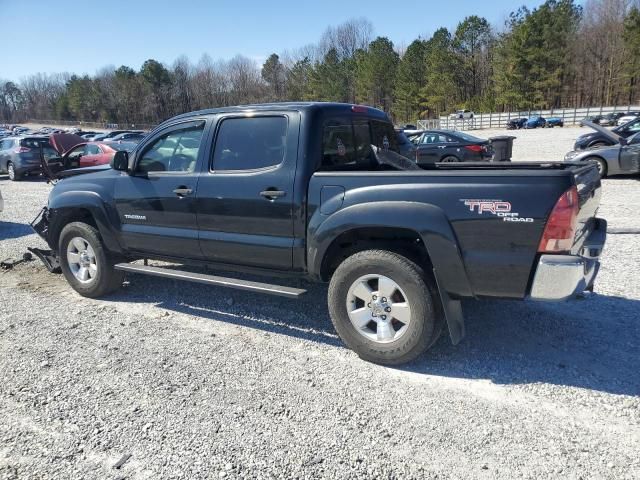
<point x="499" y="120"/>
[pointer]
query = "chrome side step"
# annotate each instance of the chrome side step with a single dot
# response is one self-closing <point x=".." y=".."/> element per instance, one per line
<point x="258" y="287"/>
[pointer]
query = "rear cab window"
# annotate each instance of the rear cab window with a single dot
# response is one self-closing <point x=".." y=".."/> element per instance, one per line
<point x="346" y="142"/>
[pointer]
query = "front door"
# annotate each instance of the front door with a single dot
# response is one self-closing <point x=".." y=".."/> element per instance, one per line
<point x="156" y="203"/>
<point x="630" y="156"/>
<point x="430" y="148"/>
<point x="245" y="200"/>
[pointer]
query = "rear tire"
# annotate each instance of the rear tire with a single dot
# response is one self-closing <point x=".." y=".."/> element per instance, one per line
<point x="384" y="307"/>
<point x="85" y="263"/>
<point x="13" y="175"/>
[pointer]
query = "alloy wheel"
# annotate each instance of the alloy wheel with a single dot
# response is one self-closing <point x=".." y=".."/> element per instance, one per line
<point x="82" y="260"/>
<point x="378" y="308"/>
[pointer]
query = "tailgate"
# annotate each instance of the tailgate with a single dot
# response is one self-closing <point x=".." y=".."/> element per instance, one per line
<point x="589" y="187"/>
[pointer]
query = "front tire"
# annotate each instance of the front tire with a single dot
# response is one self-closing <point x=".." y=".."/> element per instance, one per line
<point x="85" y="263"/>
<point x="384" y="307"/>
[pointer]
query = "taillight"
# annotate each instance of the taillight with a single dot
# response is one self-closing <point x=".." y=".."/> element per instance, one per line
<point x="475" y="148"/>
<point x="561" y="226"/>
<point x="22" y="150"/>
<point x="359" y="109"/>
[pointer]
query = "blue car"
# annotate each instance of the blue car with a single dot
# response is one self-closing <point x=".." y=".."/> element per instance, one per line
<point x="535" y="122"/>
<point x="555" y="122"/>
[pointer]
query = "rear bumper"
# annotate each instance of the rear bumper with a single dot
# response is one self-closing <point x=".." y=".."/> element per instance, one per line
<point x="560" y="277"/>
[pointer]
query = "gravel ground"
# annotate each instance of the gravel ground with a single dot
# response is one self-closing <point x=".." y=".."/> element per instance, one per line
<point x="177" y="380"/>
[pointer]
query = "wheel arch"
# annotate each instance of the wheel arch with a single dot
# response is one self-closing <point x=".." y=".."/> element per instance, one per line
<point x="85" y="207"/>
<point x="423" y="229"/>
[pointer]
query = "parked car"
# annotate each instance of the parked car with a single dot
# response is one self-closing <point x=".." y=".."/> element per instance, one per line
<point x="594" y="119"/>
<point x="128" y="136"/>
<point x="621" y="158"/>
<point x="319" y="191"/>
<point x="535" y="122"/>
<point x="73" y="152"/>
<point x="109" y="135"/>
<point x="611" y="119"/>
<point x="598" y="139"/>
<point x="554" y="122"/>
<point x="451" y="146"/>
<point x="461" y="115"/>
<point x="20" y="156"/>
<point x="628" y="117"/>
<point x="405" y="146"/>
<point x="516" y="123"/>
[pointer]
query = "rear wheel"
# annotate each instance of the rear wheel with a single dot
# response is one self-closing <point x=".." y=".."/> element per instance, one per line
<point x="450" y="159"/>
<point x="85" y="262"/>
<point x="13" y="175"/>
<point x="384" y="307"/>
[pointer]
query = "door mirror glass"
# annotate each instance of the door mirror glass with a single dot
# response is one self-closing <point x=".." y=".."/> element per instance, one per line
<point x="120" y="161"/>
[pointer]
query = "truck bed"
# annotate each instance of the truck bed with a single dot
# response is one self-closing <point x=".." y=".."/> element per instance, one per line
<point x="498" y="254"/>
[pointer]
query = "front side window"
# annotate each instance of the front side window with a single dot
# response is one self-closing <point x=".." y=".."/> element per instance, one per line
<point x="175" y="151"/>
<point x="250" y="143"/>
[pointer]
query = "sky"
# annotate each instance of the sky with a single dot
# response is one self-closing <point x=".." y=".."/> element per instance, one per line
<point x="83" y="36"/>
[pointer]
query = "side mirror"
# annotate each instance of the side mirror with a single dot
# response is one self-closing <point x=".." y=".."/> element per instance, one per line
<point x="120" y="161"/>
<point x="623" y="141"/>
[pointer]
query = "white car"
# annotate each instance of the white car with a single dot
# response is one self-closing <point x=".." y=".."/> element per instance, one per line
<point x="461" y="115"/>
<point x="627" y="118"/>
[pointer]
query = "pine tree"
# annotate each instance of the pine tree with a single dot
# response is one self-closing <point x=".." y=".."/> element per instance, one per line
<point x="375" y="74"/>
<point x="410" y="79"/>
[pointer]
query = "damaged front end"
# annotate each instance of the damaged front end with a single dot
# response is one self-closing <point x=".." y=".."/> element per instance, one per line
<point x="49" y="258"/>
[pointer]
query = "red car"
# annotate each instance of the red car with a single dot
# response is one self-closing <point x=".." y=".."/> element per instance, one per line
<point x="90" y="154"/>
<point x="75" y="152"/>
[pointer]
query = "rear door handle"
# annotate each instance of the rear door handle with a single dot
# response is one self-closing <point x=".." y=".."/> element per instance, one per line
<point x="272" y="194"/>
<point x="182" y="191"/>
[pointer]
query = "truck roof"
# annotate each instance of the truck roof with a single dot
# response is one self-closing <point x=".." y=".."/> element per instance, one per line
<point x="300" y="106"/>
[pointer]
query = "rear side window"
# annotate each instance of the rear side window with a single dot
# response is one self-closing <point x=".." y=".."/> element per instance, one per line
<point x="250" y="143"/>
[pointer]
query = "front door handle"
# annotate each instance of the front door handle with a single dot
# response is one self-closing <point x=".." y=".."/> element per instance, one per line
<point x="270" y="194"/>
<point x="182" y="191"/>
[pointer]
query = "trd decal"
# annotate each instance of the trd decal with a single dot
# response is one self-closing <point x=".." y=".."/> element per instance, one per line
<point x="499" y="208"/>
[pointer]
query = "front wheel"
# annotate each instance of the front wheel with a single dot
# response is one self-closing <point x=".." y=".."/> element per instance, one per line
<point x="384" y="307"/>
<point x="85" y="262"/>
<point x="449" y="159"/>
<point x="602" y="165"/>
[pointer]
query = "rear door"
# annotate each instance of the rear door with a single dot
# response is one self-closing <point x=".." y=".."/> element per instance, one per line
<point x="156" y="203"/>
<point x="245" y="199"/>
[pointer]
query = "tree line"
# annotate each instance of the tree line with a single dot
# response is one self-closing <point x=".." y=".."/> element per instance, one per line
<point x="560" y="54"/>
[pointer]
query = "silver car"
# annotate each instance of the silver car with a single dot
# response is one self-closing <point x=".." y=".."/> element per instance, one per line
<point x="622" y="158"/>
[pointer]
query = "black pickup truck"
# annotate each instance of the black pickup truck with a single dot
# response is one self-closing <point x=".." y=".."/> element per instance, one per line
<point x="316" y="190"/>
